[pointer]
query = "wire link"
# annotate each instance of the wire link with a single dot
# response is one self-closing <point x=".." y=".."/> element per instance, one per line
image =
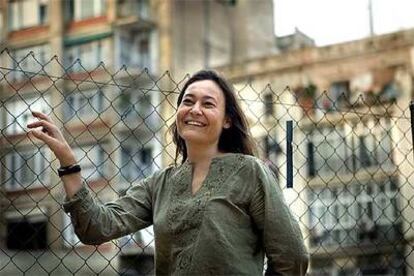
<point x="352" y="167"/>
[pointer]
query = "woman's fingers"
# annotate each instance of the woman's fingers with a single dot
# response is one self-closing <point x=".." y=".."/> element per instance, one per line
<point x="41" y="115"/>
<point x="40" y="124"/>
<point x="60" y="148"/>
<point x="51" y="135"/>
<point x="43" y="136"/>
<point x="47" y="127"/>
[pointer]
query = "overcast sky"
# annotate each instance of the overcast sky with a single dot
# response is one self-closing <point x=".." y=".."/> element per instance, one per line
<point x="334" y="21"/>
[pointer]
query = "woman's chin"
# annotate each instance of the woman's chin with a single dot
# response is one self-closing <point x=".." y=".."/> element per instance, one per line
<point x="194" y="138"/>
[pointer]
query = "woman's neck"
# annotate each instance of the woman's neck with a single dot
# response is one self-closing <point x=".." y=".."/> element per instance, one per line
<point x="201" y="154"/>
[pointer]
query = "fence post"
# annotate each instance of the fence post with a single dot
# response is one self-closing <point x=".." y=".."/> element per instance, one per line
<point x="289" y="154"/>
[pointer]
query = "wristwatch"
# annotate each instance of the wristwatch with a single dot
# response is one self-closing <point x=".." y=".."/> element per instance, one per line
<point x="69" y="170"/>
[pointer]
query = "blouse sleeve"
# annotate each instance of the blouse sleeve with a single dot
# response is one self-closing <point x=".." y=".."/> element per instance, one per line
<point x="97" y="223"/>
<point x="282" y="239"/>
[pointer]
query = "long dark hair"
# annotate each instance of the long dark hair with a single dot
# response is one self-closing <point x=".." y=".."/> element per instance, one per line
<point x="234" y="139"/>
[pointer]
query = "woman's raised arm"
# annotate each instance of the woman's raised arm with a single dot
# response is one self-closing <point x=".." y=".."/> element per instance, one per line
<point x="94" y="223"/>
<point x="46" y="130"/>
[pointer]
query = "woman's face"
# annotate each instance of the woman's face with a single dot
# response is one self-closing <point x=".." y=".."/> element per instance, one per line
<point x="201" y="113"/>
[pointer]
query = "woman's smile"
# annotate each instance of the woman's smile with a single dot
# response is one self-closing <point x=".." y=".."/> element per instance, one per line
<point x="194" y="123"/>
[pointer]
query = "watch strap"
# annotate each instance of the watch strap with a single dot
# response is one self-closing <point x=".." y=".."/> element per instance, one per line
<point x="68" y="170"/>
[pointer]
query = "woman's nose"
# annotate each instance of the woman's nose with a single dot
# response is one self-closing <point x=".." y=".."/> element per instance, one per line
<point x="196" y="109"/>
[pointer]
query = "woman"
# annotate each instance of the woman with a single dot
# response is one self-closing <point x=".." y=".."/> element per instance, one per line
<point x="218" y="212"/>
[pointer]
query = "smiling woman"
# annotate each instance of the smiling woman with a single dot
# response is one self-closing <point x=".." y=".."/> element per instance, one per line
<point x="219" y="212"/>
<point x="201" y="115"/>
<point x="206" y="94"/>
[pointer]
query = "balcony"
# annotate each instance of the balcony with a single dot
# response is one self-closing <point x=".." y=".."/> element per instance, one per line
<point x="134" y="12"/>
<point x="355" y="215"/>
<point x="138" y="110"/>
<point x="350" y="149"/>
<point x="359" y="237"/>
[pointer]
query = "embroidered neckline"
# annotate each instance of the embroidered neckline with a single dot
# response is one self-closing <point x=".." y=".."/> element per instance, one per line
<point x="214" y="159"/>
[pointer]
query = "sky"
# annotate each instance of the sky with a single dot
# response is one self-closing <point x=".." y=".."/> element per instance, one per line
<point x="335" y="21"/>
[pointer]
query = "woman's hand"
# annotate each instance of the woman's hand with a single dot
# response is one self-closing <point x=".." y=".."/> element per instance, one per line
<point x="52" y="136"/>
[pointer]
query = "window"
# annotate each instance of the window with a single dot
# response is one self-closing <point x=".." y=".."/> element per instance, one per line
<point x="349" y="147"/>
<point x="27" y="169"/>
<point x="390" y="92"/>
<point x="311" y="158"/>
<point x="85" y="104"/>
<point x="270" y="145"/>
<point x="136" y="162"/>
<point x="27" y="229"/>
<point x="27" y="13"/>
<point x="354" y="213"/>
<point x="90" y="55"/>
<point x="93" y="160"/>
<point x="383" y="143"/>
<point x="321" y="219"/>
<point x="327" y="151"/>
<point x="25" y="65"/>
<point x="372" y="144"/>
<point x="132" y="105"/>
<point x="18" y="112"/>
<point x="42" y="13"/>
<point x="126" y="42"/>
<point x="363" y="152"/>
<point x="135" y="50"/>
<point x="339" y="94"/>
<point x="69" y="237"/>
<point x="386" y="203"/>
<point x="144" y="51"/>
<point x="81" y="9"/>
<point x="268" y="104"/>
<point x="363" y="145"/>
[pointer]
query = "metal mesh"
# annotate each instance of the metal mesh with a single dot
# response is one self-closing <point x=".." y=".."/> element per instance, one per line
<point x="352" y="166"/>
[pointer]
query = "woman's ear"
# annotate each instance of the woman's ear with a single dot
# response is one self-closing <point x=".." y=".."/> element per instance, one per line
<point x="227" y="123"/>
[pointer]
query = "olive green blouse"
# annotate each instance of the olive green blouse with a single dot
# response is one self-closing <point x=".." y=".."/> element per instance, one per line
<point x="236" y="218"/>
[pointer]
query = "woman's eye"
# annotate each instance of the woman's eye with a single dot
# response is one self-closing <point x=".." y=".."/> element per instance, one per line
<point x="209" y="104"/>
<point x="187" y="101"/>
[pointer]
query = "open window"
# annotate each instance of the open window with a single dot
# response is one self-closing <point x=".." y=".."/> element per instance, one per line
<point x="26" y="229"/>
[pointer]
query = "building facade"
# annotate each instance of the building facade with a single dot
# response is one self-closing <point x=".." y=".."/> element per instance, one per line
<point x="83" y="63"/>
<point x="353" y="158"/>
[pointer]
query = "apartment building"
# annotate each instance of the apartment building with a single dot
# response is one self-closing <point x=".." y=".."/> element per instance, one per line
<point x="352" y="147"/>
<point x="83" y="63"/>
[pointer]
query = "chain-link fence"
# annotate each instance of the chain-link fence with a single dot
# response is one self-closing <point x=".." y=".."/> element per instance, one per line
<point x="352" y="167"/>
